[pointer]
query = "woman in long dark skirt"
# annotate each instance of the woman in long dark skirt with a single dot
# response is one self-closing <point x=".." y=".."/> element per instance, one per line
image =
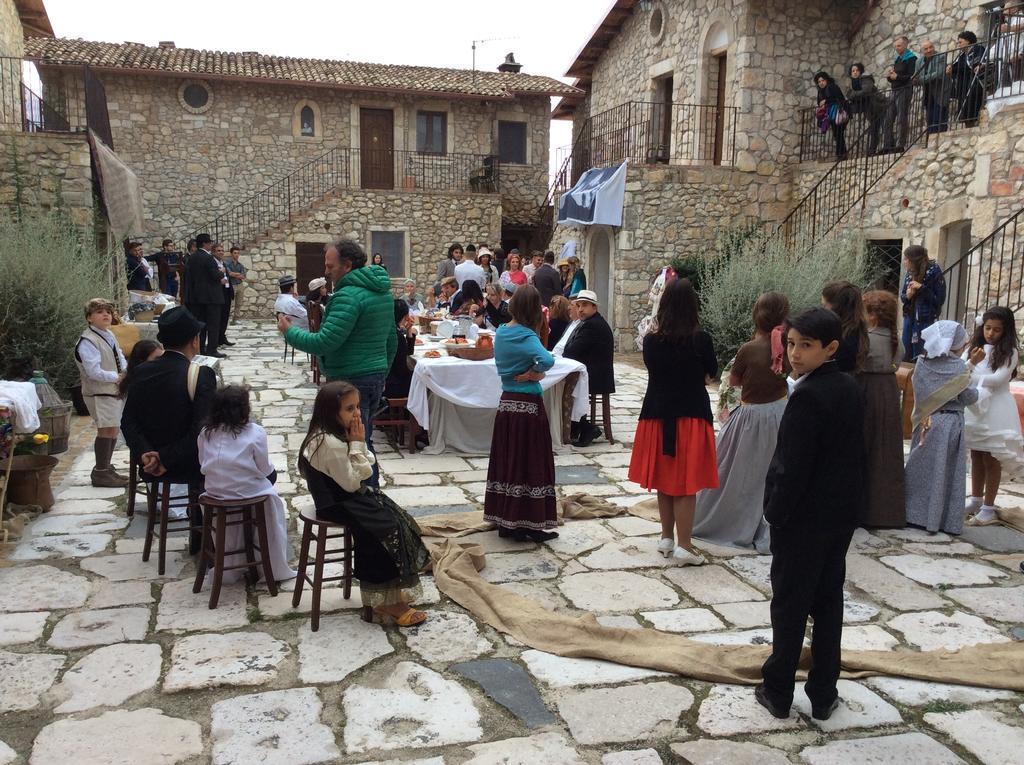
<point x="883" y="419"/>
<point x="334" y="460"/>
<point x="520" y="494"/>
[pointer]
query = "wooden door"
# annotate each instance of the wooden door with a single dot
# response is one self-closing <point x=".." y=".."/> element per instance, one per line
<point x="719" y="145"/>
<point x="377" y="148"/>
<point x="309" y="264"/>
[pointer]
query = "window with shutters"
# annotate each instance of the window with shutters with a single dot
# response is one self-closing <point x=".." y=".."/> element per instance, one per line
<point x="512" y="142"/>
<point x="432" y="132"/>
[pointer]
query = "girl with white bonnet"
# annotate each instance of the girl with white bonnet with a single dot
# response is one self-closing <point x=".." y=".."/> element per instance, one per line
<point x="937" y="466"/>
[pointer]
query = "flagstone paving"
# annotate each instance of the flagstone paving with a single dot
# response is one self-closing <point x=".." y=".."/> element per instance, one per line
<point x="103" y="661"/>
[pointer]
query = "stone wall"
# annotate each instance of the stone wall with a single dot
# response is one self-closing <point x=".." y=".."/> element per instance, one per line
<point x="938" y="20"/>
<point x="770" y="63"/>
<point x="12" y="36"/>
<point x="668" y="212"/>
<point x="430" y="221"/>
<point x="45" y="171"/>
<point x="12" y="45"/>
<point x="193" y="166"/>
<point x="974" y="175"/>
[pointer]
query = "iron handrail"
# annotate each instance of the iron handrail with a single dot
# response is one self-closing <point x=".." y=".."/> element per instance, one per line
<point x="998" y="260"/>
<point x="345" y="168"/>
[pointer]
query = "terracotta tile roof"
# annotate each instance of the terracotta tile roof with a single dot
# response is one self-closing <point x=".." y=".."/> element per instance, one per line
<point x="344" y="75"/>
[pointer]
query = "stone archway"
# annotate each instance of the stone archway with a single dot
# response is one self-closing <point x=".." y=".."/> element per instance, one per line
<point x="601" y="276"/>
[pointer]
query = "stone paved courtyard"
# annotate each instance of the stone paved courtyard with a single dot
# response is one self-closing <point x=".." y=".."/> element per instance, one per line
<point x="102" y="661"/>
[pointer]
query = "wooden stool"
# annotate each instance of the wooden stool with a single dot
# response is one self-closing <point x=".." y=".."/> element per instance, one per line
<point x="218" y="515"/>
<point x="158" y="500"/>
<point x="135" y="481"/>
<point x="606" y="412"/>
<point x="322" y="527"/>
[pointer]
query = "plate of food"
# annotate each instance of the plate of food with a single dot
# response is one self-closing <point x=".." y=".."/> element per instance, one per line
<point x="432" y="355"/>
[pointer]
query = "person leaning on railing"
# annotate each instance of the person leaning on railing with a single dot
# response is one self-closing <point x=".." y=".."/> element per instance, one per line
<point x="866" y="99"/>
<point x="936" y="87"/>
<point x="900" y="76"/>
<point x="967" y="72"/>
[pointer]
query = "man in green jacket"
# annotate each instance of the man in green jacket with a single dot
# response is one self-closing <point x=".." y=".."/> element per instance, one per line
<point x="357" y="339"/>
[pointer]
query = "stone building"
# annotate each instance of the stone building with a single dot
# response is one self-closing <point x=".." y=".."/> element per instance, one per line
<point x="43" y="164"/>
<point x="712" y="103"/>
<point x="281" y="154"/>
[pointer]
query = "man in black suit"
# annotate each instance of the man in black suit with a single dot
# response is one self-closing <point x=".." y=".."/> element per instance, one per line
<point x="167" y="401"/>
<point x="547" y="280"/>
<point x="812" y="499"/>
<point x="593" y="345"/>
<point x="205" y="293"/>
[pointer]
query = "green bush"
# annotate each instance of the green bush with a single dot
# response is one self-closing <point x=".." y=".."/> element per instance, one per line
<point x="726" y="243"/>
<point x="46" y="276"/>
<point x="732" y="284"/>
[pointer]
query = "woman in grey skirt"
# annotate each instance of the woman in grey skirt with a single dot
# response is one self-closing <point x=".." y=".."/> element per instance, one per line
<point x="936" y="474"/>
<point x="732" y="514"/>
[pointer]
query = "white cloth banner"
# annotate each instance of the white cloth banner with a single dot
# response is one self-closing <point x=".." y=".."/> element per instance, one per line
<point x="596" y="199"/>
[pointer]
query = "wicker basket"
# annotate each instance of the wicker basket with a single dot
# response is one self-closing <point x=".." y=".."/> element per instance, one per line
<point x="470" y="353"/>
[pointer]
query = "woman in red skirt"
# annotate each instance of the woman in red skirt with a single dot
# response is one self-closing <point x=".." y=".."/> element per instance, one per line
<point x="674" y="448"/>
<point x="520" y="494"/>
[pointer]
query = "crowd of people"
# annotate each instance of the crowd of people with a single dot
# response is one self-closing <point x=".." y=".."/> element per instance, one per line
<point x="812" y="450"/>
<point x="951" y="88"/>
<point x="209" y="283"/>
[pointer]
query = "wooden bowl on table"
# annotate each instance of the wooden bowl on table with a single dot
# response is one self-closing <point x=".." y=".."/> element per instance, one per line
<point x="469" y="352"/>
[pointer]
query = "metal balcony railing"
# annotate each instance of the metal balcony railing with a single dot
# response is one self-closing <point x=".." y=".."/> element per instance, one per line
<point x="65" y="101"/>
<point x="346" y="168"/>
<point x="650" y="133"/>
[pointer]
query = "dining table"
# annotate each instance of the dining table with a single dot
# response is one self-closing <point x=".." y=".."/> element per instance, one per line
<point x="456" y="399"/>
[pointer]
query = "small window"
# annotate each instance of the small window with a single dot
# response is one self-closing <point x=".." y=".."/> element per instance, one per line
<point x="432" y="132"/>
<point x="391" y="246"/>
<point x="512" y="142"/>
<point x="195" y="96"/>
<point x="656" y="25"/>
<point x="307" y="122"/>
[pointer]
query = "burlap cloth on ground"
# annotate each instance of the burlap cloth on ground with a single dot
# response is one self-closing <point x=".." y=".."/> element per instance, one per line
<point x="457" y="562"/>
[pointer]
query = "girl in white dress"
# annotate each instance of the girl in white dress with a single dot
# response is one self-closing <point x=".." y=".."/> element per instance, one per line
<point x="992" y="425"/>
<point x="235" y="460"/>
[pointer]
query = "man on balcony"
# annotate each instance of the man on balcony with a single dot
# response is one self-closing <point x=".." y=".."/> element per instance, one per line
<point x="935" y="98"/>
<point x="900" y="76"/>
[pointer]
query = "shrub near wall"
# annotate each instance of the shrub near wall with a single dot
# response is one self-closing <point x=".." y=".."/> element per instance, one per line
<point x="46" y="276"/>
<point x="731" y="284"/>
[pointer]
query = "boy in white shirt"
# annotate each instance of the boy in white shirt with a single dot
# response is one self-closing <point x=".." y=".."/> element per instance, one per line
<point x="101" y="366"/>
<point x="288" y="303"/>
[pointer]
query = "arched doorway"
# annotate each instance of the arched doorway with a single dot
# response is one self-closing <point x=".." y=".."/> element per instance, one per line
<point x="600" y="278"/>
<point x="962" y="291"/>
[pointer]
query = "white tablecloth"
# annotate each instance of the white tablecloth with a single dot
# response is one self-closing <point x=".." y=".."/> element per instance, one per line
<point x="456" y="400"/>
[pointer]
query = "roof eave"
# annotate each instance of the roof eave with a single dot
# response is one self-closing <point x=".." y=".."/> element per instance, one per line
<point x="507" y="95"/>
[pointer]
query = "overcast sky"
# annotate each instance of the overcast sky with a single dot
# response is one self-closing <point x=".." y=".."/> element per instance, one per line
<point x="545" y="35"/>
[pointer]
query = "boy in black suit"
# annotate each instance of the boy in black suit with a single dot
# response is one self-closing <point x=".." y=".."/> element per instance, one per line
<point x="813" y="494"/>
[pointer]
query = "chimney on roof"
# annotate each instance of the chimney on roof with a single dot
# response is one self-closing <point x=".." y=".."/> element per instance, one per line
<point x="510" y="65"/>
<point x="167" y="44"/>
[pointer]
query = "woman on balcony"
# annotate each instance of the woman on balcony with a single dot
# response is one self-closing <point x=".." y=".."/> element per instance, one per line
<point x="515" y="274"/>
<point x="833" y="111"/>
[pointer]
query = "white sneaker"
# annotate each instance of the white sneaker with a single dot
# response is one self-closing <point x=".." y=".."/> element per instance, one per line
<point x="973" y="505"/>
<point x="687" y="558"/>
<point x="666" y="546"/>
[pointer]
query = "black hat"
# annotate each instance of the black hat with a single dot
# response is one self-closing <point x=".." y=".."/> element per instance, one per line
<point x="177" y="326"/>
<point x="286" y="281"/>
